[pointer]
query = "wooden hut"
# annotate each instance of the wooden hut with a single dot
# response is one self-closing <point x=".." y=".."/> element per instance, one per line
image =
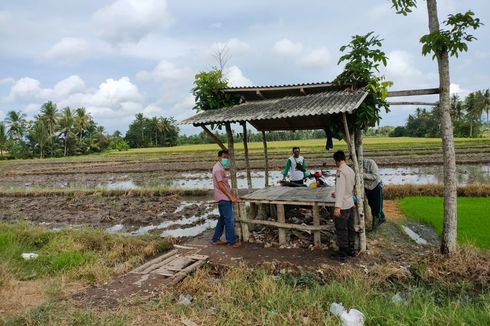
<point x="290" y="107"/>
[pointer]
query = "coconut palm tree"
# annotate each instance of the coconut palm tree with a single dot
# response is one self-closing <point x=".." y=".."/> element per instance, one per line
<point x="65" y="125"/>
<point x="49" y="113"/>
<point x="3" y="139"/>
<point x="40" y="134"/>
<point x="16" y="124"/>
<point x="82" y="122"/>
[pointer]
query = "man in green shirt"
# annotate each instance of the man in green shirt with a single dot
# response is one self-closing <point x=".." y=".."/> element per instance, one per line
<point x="295" y="167"/>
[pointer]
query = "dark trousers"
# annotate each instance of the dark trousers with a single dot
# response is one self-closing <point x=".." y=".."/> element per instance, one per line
<point x="225" y="223"/>
<point x="299" y="182"/>
<point x="344" y="228"/>
<point x="375" y="201"/>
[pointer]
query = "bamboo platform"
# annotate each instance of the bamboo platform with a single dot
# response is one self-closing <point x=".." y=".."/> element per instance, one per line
<point x="281" y="196"/>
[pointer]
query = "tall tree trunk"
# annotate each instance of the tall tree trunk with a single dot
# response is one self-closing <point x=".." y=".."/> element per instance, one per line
<point x="471" y="128"/>
<point x="359" y="188"/>
<point x="66" y="141"/>
<point x="448" y="242"/>
<point x="41" y="149"/>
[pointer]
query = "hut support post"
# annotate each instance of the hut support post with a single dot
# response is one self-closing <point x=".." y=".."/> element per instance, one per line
<point x="231" y="150"/>
<point x="233" y="177"/>
<point x="359" y="190"/>
<point x="213" y="137"/>
<point x="247" y="161"/>
<point x="266" y="158"/>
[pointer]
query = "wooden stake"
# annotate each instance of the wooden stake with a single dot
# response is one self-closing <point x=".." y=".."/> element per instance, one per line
<point x="266" y="158"/>
<point x="316" y="222"/>
<point x="243" y="216"/>
<point x="281" y="218"/>
<point x="360" y="204"/>
<point x="247" y="161"/>
<point x="213" y="137"/>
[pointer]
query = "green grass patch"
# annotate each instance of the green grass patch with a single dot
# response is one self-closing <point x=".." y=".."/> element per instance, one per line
<point x="473" y="217"/>
<point x="87" y="254"/>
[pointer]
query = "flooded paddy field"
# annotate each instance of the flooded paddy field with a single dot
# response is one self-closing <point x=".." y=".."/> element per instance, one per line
<point x="179" y="216"/>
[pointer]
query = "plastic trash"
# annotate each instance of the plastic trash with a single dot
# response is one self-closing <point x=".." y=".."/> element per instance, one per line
<point x="337" y="309"/>
<point x="185" y="299"/>
<point x="397" y="298"/>
<point x="29" y="255"/>
<point x="352" y="318"/>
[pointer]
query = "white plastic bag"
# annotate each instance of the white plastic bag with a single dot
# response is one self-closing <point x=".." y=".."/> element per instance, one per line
<point x="337" y="309"/>
<point x="352" y="318"/>
<point x="29" y="255"/>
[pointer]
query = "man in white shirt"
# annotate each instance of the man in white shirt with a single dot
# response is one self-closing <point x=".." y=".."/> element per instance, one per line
<point x="344" y="211"/>
<point x="295" y="167"/>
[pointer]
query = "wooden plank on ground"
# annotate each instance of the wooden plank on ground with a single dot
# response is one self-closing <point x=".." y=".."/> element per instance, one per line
<point x="154" y="261"/>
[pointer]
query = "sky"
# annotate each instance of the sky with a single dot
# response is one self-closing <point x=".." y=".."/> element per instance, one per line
<point x="119" y="58"/>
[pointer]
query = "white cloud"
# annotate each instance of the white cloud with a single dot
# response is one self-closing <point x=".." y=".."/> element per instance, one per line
<point x="70" y="85"/>
<point x="456" y="89"/>
<point x="29" y="88"/>
<point x="233" y="47"/>
<point x="403" y="71"/>
<point x="7" y="81"/>
<point x="69" y="50"/>
<point x="165" y="71"/>
<point x="25" y="87"/>
<point x="131" y="20"/>
<point x="236" y="77"/>
<point x="286" y="47"/>
<point x="318" y="58"/>
<point x="183" y="108"/>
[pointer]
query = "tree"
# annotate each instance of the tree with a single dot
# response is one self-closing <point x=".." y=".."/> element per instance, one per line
<point x="49" y="113"/>
<point x="82" y="122"/>
<point x="40" y="134"/>
<point x="16" y="124"/>
<point x="485" y="98"/>
<point x="3" y="139"/>
<point x="363" y="58"/>
<point x="65" y="125"/>
<point x="442" y="43"/>
<point x="209" y="91"/>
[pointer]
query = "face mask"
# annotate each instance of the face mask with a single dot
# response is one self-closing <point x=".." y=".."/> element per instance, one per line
<point x="224" y="162"/>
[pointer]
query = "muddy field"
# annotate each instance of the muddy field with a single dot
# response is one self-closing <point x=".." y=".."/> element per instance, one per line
<point x="176" y="216"/>
<point x="415" y="165"/>
<point x="168" y="215"/>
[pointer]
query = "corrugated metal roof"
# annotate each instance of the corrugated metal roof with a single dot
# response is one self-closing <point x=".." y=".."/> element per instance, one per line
<point x="320" y="104"/>
<point x="279" y="86"/>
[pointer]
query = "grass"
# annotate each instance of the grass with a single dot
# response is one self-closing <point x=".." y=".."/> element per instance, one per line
<point x="473" y="217"/>
<point x="257" y="297"/>
<point x="86" y="254"/>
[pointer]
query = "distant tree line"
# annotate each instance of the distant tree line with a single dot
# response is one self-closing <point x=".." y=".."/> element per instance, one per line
<point x="152" y="132"/>
<point x="52" y="133"/>
<point x="202" y="138"/>
<point x="469" y="115"/>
